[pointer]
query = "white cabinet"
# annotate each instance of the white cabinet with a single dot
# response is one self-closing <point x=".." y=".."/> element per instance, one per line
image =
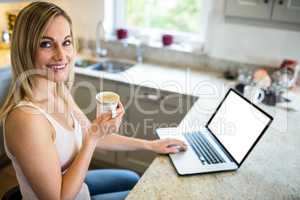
<point x="256" y="9"/>
<point x="287" y="11"/>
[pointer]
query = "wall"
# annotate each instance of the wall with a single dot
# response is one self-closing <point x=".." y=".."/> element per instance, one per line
<point x="16" y="6"/>
<point x="8" y="7"/>
<point x="237" y="42"/>
<point x="248" y="43"/>
<point x="85" y="16"/>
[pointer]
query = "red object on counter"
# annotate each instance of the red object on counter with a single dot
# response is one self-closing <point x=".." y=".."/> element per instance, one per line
<point x="122" y="33"/>
<point x="290" y="69"/>
<point x="167" y="39"/>
<point x="289" y="64"/>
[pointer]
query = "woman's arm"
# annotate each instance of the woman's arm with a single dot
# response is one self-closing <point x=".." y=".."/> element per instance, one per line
<point x="37" y="156"/>
<point x="115" y="142"/>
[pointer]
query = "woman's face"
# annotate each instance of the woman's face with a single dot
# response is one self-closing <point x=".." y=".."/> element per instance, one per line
<point x="55" y="52"/>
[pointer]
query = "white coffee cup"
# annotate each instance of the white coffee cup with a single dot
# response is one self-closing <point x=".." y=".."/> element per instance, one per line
<point x="107" y="102"/>
<point x="254" y="94"/>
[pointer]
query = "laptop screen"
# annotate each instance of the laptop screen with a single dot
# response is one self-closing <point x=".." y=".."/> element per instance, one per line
<point x="238" y="124"/>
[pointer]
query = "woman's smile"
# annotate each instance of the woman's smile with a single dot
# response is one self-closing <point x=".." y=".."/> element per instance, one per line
<point x="56" y="52"/>
<point x="57" y="66"/>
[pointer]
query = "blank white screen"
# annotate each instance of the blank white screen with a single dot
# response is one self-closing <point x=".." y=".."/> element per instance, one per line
<point x="237" y="125"/>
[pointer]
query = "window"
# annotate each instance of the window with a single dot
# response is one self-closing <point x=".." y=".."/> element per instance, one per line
<point x="184" y="19"/>
<point x="171" y="15"/>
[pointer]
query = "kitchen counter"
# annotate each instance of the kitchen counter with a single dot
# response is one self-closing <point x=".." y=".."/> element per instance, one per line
<point x="269" y="172"/>
<point x="173" y="79"/>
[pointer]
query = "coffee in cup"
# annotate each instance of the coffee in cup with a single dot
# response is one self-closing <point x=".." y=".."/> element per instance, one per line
<point x="107" y="102"/>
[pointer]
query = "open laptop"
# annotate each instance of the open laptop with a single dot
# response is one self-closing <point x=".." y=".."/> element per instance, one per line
<point x="226" y="140"/>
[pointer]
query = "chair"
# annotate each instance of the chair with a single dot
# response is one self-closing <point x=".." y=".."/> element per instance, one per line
<point x="12" y="194"/>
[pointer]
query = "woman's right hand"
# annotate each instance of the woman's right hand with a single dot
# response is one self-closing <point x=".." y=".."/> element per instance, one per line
<point x="105" y="125"/>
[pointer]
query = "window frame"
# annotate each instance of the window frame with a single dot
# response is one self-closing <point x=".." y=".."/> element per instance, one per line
<point x="115" y="18"/>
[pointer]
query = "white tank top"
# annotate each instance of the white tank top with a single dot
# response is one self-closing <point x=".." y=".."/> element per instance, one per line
<point x="67" y="145"/>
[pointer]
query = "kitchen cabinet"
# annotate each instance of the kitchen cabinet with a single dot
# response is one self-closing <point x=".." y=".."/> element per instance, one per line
<point x="287" y="11"/>
<point x="84" y="91"/>
<point x="145" y="110"/>
<point x="271" y="10"/>
<point x="106" y="156"/>
<point x="256" y="9"/>
<point x="150" y="109"/>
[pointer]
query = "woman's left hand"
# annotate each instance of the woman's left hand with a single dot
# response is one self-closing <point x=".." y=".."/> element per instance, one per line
<point x="166" y="146"/>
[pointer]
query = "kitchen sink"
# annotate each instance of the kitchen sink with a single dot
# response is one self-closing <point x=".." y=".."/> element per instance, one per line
<point x="112" y="66"/>
<point x="84" y="63"/>
<point x="107" y="65"/>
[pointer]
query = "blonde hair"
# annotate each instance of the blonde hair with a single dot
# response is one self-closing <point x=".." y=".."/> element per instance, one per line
<point x="28" y="31"/>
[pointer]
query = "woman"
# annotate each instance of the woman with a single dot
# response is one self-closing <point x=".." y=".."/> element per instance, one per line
<point x="47" y="137"/>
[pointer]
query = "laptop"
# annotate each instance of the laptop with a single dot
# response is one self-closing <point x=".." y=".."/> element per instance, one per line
<point x="225" y="141"/>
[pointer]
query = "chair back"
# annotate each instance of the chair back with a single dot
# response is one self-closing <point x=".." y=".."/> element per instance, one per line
<point x="12" y="194"/>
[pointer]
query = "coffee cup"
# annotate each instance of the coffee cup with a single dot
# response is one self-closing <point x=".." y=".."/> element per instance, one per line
<point x="107" y="102"/>
<point x="254" y="94"/>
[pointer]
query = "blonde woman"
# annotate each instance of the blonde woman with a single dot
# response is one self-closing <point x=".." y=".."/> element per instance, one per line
<point x="47" y="137"/>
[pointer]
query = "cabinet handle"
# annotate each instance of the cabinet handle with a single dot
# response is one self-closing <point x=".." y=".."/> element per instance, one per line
<point x="152" y="97"/>
<point x="280" y="2"/>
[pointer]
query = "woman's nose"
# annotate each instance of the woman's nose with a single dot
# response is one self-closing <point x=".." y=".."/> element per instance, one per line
<point x="59" y="53"/>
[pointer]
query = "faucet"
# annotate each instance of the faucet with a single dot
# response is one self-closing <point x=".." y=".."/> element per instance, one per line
<point x="139" y="53"/>
<point x="100" y="51"/>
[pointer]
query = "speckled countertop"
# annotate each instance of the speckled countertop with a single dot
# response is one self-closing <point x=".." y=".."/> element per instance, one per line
<point x="270" y="171"/>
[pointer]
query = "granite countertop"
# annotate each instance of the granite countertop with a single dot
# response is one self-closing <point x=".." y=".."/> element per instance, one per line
<point x="269" y="172"/>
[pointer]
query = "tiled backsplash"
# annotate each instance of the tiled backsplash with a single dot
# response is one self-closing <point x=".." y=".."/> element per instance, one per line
<point x="167" y="56"/>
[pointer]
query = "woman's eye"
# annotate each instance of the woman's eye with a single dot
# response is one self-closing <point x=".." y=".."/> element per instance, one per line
<point x="67" y="43"/>
<point x="45" y="44"/>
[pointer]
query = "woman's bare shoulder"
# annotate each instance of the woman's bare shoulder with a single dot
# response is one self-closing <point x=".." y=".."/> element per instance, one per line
<point x="26" y="116"/>
<point x="26" y="124"/>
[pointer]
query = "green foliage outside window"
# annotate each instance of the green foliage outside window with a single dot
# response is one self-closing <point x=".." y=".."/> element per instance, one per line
<point x="176" y="15"/>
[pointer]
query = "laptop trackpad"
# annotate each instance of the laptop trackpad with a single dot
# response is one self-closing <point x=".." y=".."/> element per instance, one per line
<point x="185" y="162"/>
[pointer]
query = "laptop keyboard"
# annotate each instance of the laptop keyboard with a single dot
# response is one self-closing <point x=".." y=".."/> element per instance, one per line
<point x="204" y="150"/>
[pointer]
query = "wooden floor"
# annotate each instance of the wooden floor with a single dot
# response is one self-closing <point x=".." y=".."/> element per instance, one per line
<point x="7" y="179"/>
